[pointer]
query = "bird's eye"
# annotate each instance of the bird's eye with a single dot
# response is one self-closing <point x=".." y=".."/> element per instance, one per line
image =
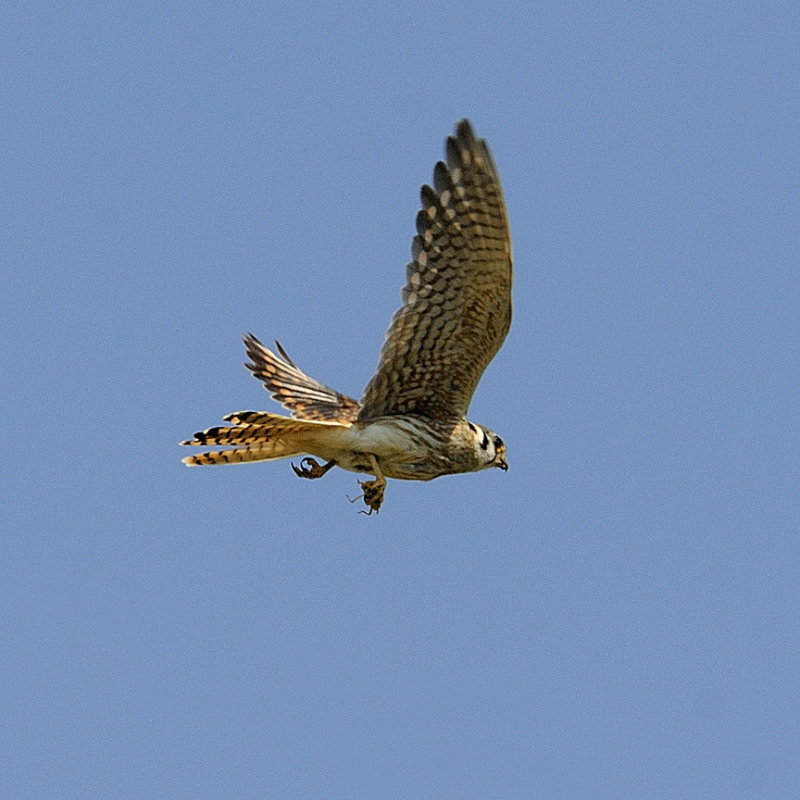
<point x="498" y="443"/>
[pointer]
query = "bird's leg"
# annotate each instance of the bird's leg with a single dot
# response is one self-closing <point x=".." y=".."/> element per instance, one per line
<point x="373" y="490"/>
<point x="311" y="468"/>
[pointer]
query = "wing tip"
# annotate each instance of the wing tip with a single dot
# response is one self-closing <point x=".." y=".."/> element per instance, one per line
<point x="465" y="131"/>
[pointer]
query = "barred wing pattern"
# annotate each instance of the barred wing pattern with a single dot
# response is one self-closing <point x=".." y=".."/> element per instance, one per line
<point x="457" y="299"/>
<point x="305" y="397"/>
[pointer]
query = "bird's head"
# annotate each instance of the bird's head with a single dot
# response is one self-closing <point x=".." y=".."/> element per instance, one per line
<point x="490" y="449"/>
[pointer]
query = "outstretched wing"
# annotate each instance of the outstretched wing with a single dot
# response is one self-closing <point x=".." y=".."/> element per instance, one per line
<point x="457" y="299"/>
<point x="293" y="389"/>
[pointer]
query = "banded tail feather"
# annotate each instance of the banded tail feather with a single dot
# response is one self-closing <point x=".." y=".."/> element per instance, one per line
<point x="240" y="435"/>
<point x="259" y="436"/>
<point x="272" y="452"/>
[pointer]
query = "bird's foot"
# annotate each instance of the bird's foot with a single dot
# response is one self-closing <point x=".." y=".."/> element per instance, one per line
<point x="311" y="468"/>
<point x="373" y="494"/>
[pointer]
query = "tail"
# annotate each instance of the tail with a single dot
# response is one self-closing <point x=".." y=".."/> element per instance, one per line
<point x="257" y="436"/>
<point x="240" y="456"/>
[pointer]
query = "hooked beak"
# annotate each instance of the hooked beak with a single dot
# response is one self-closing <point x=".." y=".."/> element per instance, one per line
<point x="503" y="464"/>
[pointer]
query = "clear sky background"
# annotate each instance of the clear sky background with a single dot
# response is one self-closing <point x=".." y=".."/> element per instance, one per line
<point x="615" y="617"/>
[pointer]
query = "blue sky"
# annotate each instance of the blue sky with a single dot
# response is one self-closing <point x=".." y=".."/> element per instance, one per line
<point x="616" y="616"/>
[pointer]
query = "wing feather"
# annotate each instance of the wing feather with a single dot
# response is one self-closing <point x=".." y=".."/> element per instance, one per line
<point x="305" y="397"/>
<point x="457" y="299"/>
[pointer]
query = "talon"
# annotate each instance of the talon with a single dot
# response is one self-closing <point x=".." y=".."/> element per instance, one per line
<point x="311" y="468"/>
<point x="304" y="471"/>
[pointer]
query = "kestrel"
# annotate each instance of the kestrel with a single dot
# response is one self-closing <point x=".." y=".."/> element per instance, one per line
<point x="411" y="422"/>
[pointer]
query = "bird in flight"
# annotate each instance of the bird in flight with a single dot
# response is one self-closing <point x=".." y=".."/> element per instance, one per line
<point x="411" y="422"/>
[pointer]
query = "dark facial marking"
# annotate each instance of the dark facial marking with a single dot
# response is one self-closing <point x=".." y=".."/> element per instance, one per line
<point x="485" y="442"/>
<point x="472" y="427"/>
